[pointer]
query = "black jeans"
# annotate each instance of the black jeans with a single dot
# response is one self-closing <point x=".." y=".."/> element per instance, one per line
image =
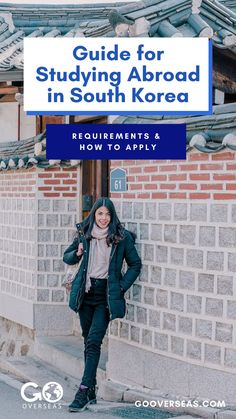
<point x="94" y="320"/>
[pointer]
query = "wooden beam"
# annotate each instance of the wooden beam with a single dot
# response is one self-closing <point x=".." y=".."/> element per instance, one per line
<point x="7" y="98"/>
<point x="84" y="118"/>
<point x="224" y="83"/>
<point x="98" y="181"/>
<point x="8" y="90"/>
<point x="224" y="75"/>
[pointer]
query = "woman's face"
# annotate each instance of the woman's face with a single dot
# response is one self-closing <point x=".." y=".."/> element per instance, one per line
<point x="102" y="217"/>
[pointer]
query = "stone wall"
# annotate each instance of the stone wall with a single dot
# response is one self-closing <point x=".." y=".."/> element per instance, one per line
<point x="56" y="217"/>
<point x="37" y="218"/>
<point x="183" y="306"/>
<point x="57" y="208"/>
<point x="18" y="245"/>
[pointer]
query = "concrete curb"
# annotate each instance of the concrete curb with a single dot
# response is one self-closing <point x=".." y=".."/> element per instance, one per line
<point x="113" y="394"/>
<point x="227" y="414"/>
<point x="26" y="369"/>
<point x="110" y="390"/>
<point x="10" y="381"/>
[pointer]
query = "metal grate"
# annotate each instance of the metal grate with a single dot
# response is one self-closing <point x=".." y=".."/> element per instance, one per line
<point x="140" y="412"/>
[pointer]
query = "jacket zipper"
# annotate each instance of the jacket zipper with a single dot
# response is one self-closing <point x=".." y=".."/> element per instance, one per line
<point x="85" y="272"/>
<point x="111" y="256"/>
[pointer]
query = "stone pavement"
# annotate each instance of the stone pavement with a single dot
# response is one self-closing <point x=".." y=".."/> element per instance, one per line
<point x="119" y="398"/>
<point x="12" y="406"/>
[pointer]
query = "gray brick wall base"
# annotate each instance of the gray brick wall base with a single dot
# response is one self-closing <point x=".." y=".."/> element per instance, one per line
<point x="53" y="320"/>
<point x="16" y="310"/>
<point x="44" y="319"/>
<point x="15" y="339"/>
<point x="34" y="231"/>
<point x="129" y="364"/>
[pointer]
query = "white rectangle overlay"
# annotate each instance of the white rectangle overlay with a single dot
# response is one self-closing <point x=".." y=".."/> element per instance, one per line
<point x="117" y="75"/>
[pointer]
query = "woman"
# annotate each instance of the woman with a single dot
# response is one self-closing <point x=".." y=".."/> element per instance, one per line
<point x="97" y="293"/>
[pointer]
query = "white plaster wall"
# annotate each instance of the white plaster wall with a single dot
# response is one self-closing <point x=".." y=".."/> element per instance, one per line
<point x="28" y="125"/>
<point x="9" y="122"/>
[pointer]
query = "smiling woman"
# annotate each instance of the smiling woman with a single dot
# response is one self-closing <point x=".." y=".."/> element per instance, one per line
<point x="102" y="217"/>
<point x="97" y="293"/>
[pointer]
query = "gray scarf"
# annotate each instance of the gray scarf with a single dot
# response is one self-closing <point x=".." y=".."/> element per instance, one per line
<point x="99" y="254"/>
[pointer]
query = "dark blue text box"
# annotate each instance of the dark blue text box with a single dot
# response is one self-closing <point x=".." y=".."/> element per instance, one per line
<point x="110" y="142"/>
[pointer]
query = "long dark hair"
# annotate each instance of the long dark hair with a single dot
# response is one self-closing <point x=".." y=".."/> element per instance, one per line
<point x="115" y="228"/>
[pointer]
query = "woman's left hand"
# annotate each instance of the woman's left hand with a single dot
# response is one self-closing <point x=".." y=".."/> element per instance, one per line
<point x="68" y="288"/>
<point x="80" y="250"/>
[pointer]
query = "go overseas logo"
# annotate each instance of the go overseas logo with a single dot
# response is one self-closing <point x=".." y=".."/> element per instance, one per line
<point x="47" y="398"/>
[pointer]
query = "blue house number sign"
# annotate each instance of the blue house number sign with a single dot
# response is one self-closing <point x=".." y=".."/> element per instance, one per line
<point x="118" y="180"/>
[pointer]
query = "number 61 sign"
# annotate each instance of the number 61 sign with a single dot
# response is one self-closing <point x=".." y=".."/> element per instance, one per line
<point x="118" y="181"/>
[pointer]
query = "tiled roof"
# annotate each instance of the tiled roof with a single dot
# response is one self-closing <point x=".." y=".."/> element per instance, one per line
<point x="18" y="21"/>
<point x="27" y="153"/>
<point x="223" y="22"/>
<point x="62" y="17"/>
<point x="167" y="18"/>
<point x="188" y="18"/>
<point x="208" y="134"/>
<point x="231" y="4"/>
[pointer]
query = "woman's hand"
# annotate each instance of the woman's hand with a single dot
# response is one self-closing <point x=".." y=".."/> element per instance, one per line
<point x="80" y="250"/>
<point x="68" y="288"/>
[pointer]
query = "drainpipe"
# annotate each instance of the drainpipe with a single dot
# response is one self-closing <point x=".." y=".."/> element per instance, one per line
<point x="19" y="98"/>
<point x="18" y="139"/>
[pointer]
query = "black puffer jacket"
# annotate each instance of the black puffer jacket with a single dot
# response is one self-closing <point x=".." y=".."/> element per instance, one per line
<point x="117" y="284"/>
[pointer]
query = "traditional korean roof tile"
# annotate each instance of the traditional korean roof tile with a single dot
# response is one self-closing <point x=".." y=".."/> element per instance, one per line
<point x="27" y="153"/>
<point x="194" y="18"/>
<point x="222" y="20"/>
<point x="231" y="4"/>
<point x="19" y="21"/>
<point x="208" y="134"/>
<point x="168" y="18"/>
